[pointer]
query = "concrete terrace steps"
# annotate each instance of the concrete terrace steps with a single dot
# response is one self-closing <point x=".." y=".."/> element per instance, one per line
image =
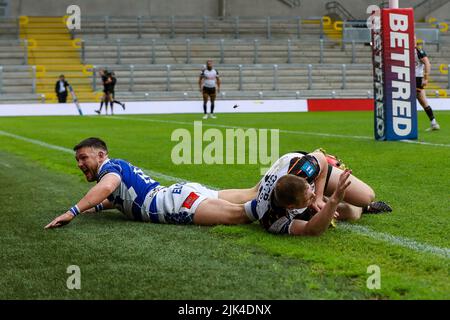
<point x="182" y="27"/>
<point x="46" y="31"/>
<point x="52" y="61"/>
<point x="254" y="79"/>
<point x="11" y="98"/>
<point x="51" y="81"/>
<point x="54" y="42"/>
<point x="11" y="53"/>
<point x="53" y="51"/>
<point x="47" y="38"/>
<point x="238" y="51"/>
<point x="183" y="80"/>
<point x="9" y="29"/>
<point x="57" y="54"/>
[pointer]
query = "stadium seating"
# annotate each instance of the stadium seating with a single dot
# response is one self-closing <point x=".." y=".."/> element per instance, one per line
<point x="274" y="82"/>
<point x="141" y="51"/>
<point x="11" y="52"/>
<point x="9" y="29"/>
<point x="198" y="27"/>
<point x="17" y="84"/>
<point x="222" y="52"/>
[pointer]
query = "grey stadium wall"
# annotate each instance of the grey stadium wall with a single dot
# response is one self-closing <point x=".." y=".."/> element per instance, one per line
<point x="306" y="8"/>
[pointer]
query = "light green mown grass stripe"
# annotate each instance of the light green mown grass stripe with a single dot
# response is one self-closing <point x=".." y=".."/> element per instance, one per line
<point x="320" y="134"/>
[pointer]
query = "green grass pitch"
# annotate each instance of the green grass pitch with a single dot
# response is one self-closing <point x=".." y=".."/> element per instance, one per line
<point x="122" y="259"/>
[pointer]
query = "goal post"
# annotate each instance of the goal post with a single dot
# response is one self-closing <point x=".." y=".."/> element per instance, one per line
<point x="393" y="57"/>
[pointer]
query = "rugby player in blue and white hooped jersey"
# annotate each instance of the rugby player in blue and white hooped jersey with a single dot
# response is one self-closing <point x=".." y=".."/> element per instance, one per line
<point x="127" y="188"/>
<point x="301" y="194"/>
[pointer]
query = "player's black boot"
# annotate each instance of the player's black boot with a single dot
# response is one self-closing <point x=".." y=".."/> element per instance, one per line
<point x="377" y="207"/>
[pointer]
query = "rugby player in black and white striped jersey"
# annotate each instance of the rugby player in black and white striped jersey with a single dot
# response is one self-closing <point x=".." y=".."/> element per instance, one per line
<point x="208" y="82"/>
<point x="423" y="68"/>
<point x="303" y="192"/>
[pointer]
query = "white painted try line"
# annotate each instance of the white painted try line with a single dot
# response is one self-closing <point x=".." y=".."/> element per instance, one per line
<point x="320" y="134"/>
<point x="404" y="242"/>
<point x="379" y="236"/>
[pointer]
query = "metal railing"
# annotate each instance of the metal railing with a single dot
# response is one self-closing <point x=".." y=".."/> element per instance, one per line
<point x="311" y="74"/>
<point x="430" y="5"/>
<point x="18" y="42"/>
<point x="219" y="49"/>
<point x="291" y="3"/>
<point x="448" y="76"/>
<point x="204" y="26"/>
<point x="31" y="70"/>
<point x="355" y="32"/>
<point x="12" y="28"/>
<point x="270" y="76"/>
<point x="338" y="8"/>
<point x="25" y="52"/>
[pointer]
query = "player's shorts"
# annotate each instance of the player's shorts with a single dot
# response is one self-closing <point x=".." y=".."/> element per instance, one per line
<point x="177" y="203"/>
<point x="209" y="91"/>
<point x="419" y="82"/>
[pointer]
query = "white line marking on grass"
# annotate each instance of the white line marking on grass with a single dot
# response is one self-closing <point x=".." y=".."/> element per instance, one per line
<point x="38" y="142"/>
<point x="320" y="134"/>
<point x="385" y="237"/>
<point x="426" y="143"/>
<point x="238" y="127"/>
<point x="67" y="150"/>
<point x="403" y="242"/>
<point x="5" y="165"/>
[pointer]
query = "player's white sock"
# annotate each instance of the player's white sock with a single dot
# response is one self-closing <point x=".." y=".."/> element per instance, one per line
<point x="433" y="122"/>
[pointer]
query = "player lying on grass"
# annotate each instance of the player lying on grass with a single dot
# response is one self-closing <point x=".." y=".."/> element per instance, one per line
<point x="302" y="193"/>
<point x="125" y="187"/>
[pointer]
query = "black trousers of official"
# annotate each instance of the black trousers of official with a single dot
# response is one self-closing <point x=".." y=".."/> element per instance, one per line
<point x="62" y="97"/>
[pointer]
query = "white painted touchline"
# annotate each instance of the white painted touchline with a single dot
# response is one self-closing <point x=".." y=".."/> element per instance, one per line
<point x="320" y="134"/>
<point x="385" y="237"/>
<point x="67" y="150"/>
<point x="5" y="164"/>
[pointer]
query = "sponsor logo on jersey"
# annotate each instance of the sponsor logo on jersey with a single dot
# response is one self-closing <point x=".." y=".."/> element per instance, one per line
<point x="189" y="201"/>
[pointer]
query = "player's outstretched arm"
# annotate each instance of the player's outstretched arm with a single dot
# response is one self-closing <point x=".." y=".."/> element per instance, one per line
<point x="321" y="220"/>
<point x="104" y="205"/>
<point x="95" y="196"/>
